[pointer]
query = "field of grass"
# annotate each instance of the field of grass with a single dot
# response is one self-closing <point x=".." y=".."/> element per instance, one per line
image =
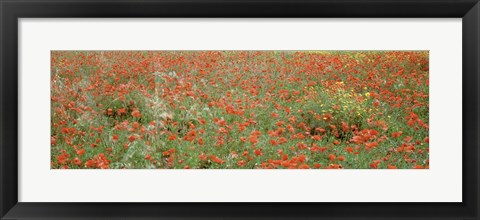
<point x="239" y="109"/>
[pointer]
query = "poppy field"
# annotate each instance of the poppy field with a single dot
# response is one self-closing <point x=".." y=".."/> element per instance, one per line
<point x="239" y="109"/>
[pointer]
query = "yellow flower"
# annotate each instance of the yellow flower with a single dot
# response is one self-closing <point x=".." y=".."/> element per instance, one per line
<point x="367" y="94"/>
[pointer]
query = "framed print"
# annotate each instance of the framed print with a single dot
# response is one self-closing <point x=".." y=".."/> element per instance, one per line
<point x="249" y="110"/>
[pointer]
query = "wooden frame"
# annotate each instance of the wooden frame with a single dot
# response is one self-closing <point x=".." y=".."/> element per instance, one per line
<point x="11" y="10"/>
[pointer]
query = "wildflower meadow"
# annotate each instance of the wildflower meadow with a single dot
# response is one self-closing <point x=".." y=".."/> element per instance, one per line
<point x="239" y="109"/>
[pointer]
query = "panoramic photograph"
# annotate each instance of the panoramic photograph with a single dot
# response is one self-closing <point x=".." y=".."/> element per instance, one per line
<point x="239" y="109"/>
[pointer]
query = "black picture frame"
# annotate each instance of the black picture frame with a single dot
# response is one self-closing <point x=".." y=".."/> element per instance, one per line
<point x="11" y="11"/>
